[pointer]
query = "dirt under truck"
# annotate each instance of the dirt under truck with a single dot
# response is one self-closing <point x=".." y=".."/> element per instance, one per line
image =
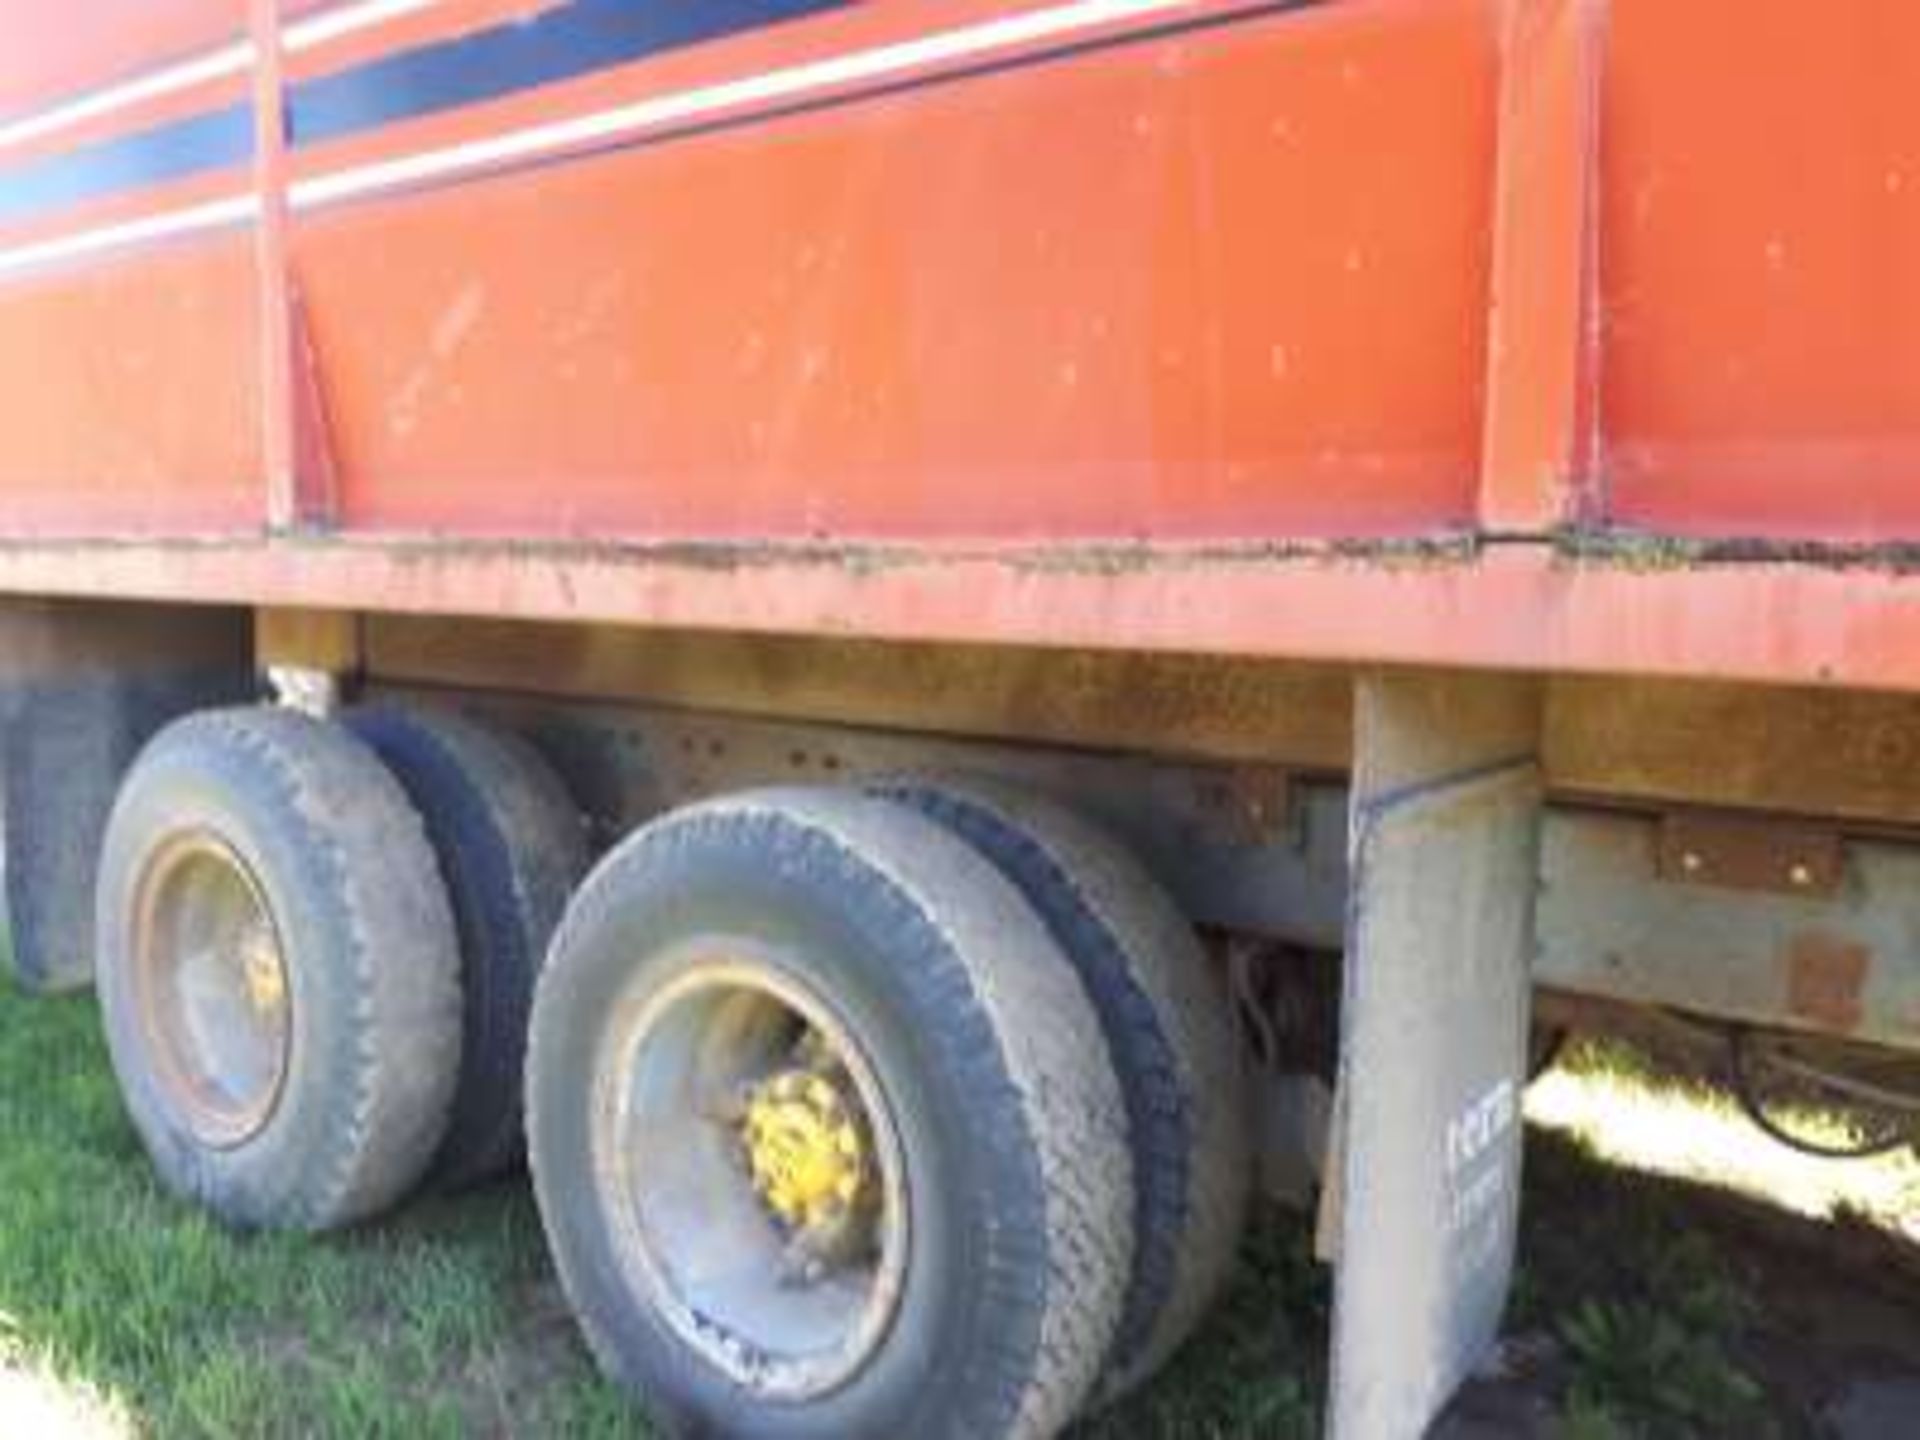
<point x="946" y="638"/>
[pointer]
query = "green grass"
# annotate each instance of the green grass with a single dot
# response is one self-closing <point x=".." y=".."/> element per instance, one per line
<point x="1254" y="1368"/>
<point x="443" y="1321"/>
<point x="130" y="1313"/>
<point x="1645" y="1309"/>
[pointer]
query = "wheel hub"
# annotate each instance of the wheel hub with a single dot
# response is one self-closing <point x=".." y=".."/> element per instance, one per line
<point x="212" y="988"/>
<point x="758" y="1194"/>
<point x="264" y="973"/>
<point x="805" y="1152"/>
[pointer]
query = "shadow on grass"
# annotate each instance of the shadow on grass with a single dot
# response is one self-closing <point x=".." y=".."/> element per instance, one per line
<point x="1643" y="1306"/>
<point x="1647" y="1305"/>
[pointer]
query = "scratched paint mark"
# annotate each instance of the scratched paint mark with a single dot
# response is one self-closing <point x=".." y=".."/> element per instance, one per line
<point x="450" y="331"/>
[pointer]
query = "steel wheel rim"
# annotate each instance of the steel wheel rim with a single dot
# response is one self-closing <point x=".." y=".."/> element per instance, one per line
<point x="212" y="988"/>
<point x="693" y="1235"/>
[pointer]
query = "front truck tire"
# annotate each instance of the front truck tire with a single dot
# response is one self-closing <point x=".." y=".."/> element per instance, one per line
<point x="1170" y="1027"/>
<point x="511" y="847"/>
<point x="278" y="970"/>
<point x="825" y="1136"/>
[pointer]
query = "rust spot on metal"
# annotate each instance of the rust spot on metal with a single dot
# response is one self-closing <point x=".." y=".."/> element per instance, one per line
<point x="1750" y="853"/>
<point x="1825" y="975"/>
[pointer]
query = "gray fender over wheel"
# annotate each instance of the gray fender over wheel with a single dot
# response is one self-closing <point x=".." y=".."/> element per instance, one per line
<point x="278" y="970"/>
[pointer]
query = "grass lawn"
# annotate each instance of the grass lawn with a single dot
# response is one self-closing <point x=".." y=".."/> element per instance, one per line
<point x="124" y="1312"/>
<point x="138" y="1315"/>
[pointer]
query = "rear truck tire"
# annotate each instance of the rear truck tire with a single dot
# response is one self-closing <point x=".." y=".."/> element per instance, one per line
<point x="1170" y="1028"/>
<point x="824" y="1133"/>
<point x="511" y="847"/>
<point x="278" y="970"/>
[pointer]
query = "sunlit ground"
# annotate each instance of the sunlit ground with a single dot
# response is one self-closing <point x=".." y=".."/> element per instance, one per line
<point x="1687" y="1131"/>
<point x="36" y="1403"/>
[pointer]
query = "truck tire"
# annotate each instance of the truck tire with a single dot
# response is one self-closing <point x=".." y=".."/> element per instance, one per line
<point x="278" y="970"/>
<point x="785" y="1041"/>
<point x="511" y="847"/>
<point x="1170" y="1029"/>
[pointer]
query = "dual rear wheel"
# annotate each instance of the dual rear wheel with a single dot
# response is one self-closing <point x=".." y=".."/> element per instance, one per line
<point x="316" y="951"/>
<point x="849" y="1113"/>
<point x="904" y="1112"/>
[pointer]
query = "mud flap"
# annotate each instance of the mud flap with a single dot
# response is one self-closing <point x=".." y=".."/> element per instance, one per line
<point x="1444" y="847"/>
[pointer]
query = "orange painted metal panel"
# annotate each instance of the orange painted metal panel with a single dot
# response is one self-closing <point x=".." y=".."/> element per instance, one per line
<point x="1537" y="458"/>
<point x="128" y="403"/>
<point x="1229" y="284"/>
<point x="1761" y="219"/>
<point x="1329" y="273"/>
<point x="1511" y="607"/>
<point x="836" y="31"/>
<point x="405" y="28"/>
<point x="67" y="123"/>
<point x="53" y="51"/>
